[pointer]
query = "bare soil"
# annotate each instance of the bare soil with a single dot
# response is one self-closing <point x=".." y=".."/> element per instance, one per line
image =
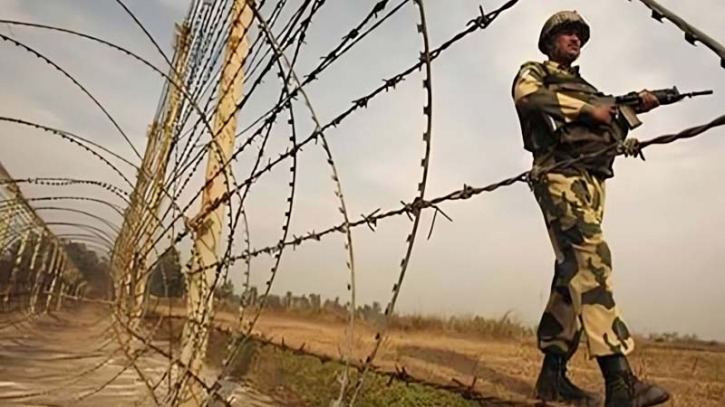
<point x="505" y="369"/>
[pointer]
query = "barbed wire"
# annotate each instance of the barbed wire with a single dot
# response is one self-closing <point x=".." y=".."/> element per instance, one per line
<point x="425" y="57"/>
<point x="65" y="73"/>
<point x="692" y="34"/>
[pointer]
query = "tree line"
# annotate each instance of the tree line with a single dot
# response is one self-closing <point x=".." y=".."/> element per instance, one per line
<point x="167" y="281"/>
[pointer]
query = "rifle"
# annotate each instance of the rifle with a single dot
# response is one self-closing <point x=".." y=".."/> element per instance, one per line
<point x="626" y="103"/>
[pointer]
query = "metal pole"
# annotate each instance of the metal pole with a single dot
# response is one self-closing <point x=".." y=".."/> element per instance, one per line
<point x="43" y="274"/>
<point x="56" y="273"/>
<point x="32" y="273"/>
<point x="5" y="225"/>
<point x="150" y="220"/>
<point x="123" y="260"/>
<point x="200" y="290"/>
<point x="61" y="292"/>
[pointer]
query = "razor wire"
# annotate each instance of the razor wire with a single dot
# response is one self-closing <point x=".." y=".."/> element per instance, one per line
<point x="26" y="238"/>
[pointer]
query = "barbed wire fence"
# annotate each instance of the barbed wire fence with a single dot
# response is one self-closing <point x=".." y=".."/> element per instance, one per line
<point x="225" y="53"/>
<point x="39" y="271"/>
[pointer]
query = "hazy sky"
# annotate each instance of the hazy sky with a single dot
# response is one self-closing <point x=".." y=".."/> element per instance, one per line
<point x="664" y="216"/>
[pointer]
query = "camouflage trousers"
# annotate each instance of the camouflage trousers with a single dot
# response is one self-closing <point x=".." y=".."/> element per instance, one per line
<point x="581" y="299"/>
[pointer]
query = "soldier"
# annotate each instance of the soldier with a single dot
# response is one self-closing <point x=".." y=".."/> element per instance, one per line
<point x="561" y="120"/>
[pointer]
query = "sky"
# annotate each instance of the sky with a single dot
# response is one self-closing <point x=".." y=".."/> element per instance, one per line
<point x="663" y="217"/>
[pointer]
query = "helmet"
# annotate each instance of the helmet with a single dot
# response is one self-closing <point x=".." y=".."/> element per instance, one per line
<point x="561" y="20"/>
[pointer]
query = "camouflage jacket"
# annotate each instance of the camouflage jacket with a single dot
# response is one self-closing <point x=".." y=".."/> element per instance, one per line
<point x="554" y="106"/>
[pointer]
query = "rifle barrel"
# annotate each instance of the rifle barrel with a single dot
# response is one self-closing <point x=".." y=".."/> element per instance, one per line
<point x="702" y="93"/>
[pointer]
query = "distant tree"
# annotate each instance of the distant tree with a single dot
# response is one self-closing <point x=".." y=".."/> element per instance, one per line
<point x="315" y="302"/>
<point x="377" y="310"/>
<point x="95" y="270"/>
<point x="334" y="306"/>
<point x="302" y="303"/>
<point x="225" y="291"/>
<point x="274" y="302"/>
<point x="364" y="311"/>
<point x="166" y="279"/>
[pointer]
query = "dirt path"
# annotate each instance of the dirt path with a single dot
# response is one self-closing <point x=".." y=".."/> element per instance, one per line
<point x="71" y="358"/>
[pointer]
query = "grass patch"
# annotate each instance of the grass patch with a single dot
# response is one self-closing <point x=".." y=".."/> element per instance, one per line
<point x="305" y="381"/>
<point x="505" y="327"/>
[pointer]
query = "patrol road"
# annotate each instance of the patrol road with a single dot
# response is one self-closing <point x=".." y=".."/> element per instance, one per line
<point x="70" y="358"/>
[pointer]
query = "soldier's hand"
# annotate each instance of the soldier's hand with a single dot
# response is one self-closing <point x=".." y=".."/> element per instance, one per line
<point x="648" y="101"/>
<point x="603" y="114"/>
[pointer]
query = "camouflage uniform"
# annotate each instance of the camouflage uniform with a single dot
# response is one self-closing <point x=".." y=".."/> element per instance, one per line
<point x="554" y="105"/>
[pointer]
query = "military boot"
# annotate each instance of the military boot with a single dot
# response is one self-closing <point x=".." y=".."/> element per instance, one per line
<point x="554" y="385"/>
<point x="624" y="389"/>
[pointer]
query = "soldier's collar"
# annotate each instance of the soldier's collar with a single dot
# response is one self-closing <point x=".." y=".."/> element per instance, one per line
<point x="574" y="70"/>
